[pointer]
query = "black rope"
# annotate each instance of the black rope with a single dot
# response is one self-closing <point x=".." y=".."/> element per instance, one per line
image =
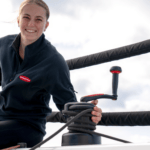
<point x="106" y="136"/>
<point x="109" y="55"/>
<point x="80" y="123"/>
<point x="50" y="137"/>
<point x="87" y="126"/>
<point x="77" y="129"/>
<point x="141" y="118"/>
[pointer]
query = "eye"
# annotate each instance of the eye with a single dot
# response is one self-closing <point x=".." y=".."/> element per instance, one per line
<point x="26" y="17"/>
<point x="39" y="20"/>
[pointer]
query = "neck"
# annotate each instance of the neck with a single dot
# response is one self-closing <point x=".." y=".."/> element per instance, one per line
<point x="23" y="44"/>
<point x="22" y="47"/>
<point x="22" y="50"/>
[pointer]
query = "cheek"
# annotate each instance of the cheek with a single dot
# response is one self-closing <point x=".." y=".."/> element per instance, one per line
<point x="41" y="28"/>
<point x="22" y="24"/>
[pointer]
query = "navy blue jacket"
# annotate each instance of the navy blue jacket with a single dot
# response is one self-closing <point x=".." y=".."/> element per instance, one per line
<point x="27" y="86"/>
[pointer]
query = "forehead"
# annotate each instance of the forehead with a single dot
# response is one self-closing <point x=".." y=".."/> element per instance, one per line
<point x="34" y="10"/>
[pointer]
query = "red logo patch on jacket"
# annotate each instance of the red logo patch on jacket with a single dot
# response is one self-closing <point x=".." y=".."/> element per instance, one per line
<point x="24" y="78"/>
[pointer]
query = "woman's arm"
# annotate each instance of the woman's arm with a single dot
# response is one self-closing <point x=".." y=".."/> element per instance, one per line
<point x="58" y="82"/>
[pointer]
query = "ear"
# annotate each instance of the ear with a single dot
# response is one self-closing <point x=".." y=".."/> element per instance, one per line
<point x="18" y="21"/>
<point x="47" y="24"/>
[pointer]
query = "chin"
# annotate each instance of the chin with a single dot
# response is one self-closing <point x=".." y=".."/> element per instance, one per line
<point x="31" y="38"/>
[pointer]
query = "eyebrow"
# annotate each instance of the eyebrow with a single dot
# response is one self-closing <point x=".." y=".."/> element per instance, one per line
<point x="36" y="16"/>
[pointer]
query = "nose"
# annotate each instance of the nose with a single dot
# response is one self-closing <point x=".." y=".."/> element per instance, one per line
<point x="31" y="23"/>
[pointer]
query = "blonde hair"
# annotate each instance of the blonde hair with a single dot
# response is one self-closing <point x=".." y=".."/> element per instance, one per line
<point x="38" y="2"/>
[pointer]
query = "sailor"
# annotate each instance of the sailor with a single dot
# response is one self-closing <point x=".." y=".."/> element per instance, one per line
<point x="32" y="70"/>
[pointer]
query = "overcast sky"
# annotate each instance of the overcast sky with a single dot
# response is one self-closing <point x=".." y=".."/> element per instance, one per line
<point x="82" y="27"/>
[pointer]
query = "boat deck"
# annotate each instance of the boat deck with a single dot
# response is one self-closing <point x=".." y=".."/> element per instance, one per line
<point x="141" y="146"/>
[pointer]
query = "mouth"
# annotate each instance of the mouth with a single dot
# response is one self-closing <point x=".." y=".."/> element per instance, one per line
<point x="30" y="31"/>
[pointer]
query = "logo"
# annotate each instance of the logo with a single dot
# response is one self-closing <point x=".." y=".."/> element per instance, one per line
<point x="24" y="78"/>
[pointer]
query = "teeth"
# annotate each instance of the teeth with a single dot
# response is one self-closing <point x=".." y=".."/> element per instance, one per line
<point x="31" y="31"/>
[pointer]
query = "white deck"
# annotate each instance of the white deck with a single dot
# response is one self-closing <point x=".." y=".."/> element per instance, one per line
<point x="144" y="146"/>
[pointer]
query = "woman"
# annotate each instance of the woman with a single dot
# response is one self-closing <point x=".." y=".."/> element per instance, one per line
<point x="32" y="70"/>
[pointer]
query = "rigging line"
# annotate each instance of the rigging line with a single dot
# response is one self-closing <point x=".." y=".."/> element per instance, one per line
<point x="76" y="117"/>
<point x="69" y="122"/>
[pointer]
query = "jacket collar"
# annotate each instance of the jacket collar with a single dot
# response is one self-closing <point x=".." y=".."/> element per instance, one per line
<point x="32" y="49"/>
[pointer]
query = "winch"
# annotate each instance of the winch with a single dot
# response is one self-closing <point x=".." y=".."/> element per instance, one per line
<point x="80" y="130"/>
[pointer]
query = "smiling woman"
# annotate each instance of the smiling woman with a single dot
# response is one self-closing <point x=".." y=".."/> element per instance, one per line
<point x="25" y="105"/>
<point x="34" y="70"/>
<point x="32" y="24"/>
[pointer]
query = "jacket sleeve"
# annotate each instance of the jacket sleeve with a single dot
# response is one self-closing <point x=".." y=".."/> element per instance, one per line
<point x="62" y="90"/>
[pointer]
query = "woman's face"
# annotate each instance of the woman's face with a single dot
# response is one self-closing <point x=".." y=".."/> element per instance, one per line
<point x="32" y="22"/>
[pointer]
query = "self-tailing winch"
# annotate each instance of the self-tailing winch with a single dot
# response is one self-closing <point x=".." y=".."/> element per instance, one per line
<point x="80" y="130"/>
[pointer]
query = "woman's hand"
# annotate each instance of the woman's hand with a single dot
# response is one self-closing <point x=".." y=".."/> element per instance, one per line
<point x="97" y="112"/>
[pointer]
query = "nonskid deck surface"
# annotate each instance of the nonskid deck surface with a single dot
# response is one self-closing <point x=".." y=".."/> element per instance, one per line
<point x="141" y="146"/>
